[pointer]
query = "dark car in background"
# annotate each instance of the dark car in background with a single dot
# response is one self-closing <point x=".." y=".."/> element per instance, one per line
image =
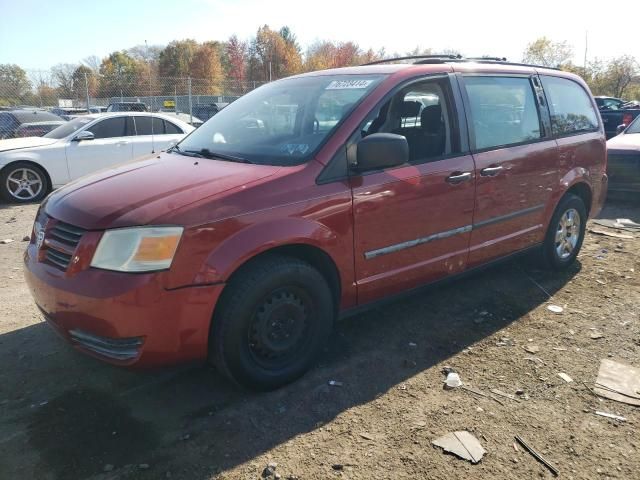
<point x="127" y="107"/>
<point x="37" y="129"/>
<point x="12" y="119"/>
<point x="69" y="113"/>
<point x="616" y="112"/>
<point x="623" y="165"/>
<point x="205" y="111"/>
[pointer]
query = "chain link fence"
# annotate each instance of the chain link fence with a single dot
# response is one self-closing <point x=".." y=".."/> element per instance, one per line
<point x="80" y="92"/>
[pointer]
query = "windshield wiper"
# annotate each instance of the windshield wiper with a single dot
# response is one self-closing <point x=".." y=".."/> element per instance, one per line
<point x="206" y="153"/>
<point x="186" y="153"/>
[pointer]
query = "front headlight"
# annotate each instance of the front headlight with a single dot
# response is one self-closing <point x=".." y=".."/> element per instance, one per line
<point x="139" y="249"/>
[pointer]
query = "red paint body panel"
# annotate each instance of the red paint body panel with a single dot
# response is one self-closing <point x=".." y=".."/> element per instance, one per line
<point x="232" y="212"/>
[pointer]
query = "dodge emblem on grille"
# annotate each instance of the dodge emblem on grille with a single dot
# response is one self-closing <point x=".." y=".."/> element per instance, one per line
<point x="39" y="239"/>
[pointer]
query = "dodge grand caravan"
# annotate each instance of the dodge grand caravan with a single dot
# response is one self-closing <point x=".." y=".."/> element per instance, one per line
<point x="310" y="198"/>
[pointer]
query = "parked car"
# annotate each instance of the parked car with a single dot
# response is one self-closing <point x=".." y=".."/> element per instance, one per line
<point x="127" y="107"/>
<point x="609" y="103"/>
<point x="69" y="113"/>
<point x="10" y="120"/>
<point x="205" y="111"/>
<point x="623" y="166"/>
<point x="97" y="109"/>
<point x="37" y="129"/>
<point x="616" y="114"/>
<point x="31" y="167"/>
<point x="185" y="117"/>
<point x="246" y="241"/>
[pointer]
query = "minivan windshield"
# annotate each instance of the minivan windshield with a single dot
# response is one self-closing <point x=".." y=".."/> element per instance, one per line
<point x="68" y="128"/>
<point x="282" y="123"/>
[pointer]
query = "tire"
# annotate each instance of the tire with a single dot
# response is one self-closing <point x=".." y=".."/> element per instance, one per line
<point x="34" y="188"/>
<point x="563" y="240"/>
<point x="272" y="322"/>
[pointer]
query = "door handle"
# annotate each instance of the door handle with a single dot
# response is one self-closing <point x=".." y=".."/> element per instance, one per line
<point x="490" y="171"/>
<point x="458" y="177"/>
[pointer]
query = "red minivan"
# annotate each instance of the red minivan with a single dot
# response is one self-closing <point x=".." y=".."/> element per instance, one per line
<point x="309" y="198"/>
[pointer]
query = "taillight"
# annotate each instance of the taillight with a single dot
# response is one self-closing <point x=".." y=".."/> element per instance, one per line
<point x="627" y="118"/>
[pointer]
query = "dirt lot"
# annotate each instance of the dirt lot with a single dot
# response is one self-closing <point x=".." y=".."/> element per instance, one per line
<point x="67" y="416"/>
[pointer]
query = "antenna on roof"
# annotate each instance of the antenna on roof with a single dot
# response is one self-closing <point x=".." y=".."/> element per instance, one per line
<point x="153" y="145"/>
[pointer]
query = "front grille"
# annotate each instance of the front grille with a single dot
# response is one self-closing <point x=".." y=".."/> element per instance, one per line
<point x="66" y="233"/>
<point x="113" y="348"/>
<point x="60" y="242"/>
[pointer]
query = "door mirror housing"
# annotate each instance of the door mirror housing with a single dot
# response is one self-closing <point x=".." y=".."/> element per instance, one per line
<point x="620" y="129"/>
<point x="381" y="150"/>
<point x="84" y="135"/>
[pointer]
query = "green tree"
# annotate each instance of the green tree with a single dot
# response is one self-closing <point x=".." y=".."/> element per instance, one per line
<point x="547" y="53"/>
<point x="175" y="59"/>
<point x="14" y="84"/>
<point x="84" y="78"/>
<point x="63" y="78"/>
<point x="122" y="75"/>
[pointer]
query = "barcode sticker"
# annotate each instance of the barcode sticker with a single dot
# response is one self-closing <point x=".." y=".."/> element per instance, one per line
<point x="343" y="84"/>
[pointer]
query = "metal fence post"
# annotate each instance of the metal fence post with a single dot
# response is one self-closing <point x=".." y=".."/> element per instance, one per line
<point x="86" y="89"/>
<point x="190" y="102"/>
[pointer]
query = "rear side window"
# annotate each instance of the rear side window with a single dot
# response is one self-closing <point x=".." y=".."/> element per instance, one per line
<point x="143" y="125"/>
<point x="109" y="128"/>
<point x="571" y="108"/>
<point x="171" y="129"/>
<point x="503" y="111"/>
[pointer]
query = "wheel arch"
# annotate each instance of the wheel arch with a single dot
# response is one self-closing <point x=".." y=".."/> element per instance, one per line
<point x="314" y="255"/>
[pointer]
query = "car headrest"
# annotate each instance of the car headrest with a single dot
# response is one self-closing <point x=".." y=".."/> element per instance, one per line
<point x="409" y="109"/>
<point x="431" y="118"/>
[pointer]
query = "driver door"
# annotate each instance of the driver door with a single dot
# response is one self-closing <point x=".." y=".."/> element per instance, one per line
<point x="112" y="144"/>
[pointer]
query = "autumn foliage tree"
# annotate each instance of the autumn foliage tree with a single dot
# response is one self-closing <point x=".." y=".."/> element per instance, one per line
<point x="206" y="67"/>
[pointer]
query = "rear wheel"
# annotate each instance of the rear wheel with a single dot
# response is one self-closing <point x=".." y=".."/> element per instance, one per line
<point x="272" y="322"/>
<point x="566" y="232"/>
<point x="23" y="182"/>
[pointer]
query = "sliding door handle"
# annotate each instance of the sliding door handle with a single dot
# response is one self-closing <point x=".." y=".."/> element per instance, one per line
<point x="458" y="177"/>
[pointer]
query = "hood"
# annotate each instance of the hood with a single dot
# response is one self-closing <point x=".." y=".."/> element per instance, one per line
<point x="142" y="192"/>
<point x="625" y="141"/>
<point x="25" y="142"/>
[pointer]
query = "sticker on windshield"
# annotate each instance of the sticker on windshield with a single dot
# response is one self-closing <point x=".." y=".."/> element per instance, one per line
<point x="343" y="84"/>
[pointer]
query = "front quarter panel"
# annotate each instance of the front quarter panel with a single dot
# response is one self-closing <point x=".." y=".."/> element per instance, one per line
<point x="209" y="254"/>
<point x="51" y="158"/>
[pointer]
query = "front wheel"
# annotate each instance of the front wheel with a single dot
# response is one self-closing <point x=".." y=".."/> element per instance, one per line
<point x="566" y="232"/>
<point x="23" y="182"/>
<point x="272" y="322"/>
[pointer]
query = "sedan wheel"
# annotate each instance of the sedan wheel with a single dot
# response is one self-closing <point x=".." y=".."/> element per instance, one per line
<point x="22" y="183"/>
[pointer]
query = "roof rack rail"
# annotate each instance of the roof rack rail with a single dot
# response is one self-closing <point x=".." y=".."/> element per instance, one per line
<point x="415" y="57"/>
<point x="425" y="59"/>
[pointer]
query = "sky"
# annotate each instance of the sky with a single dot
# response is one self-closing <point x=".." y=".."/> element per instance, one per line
<point x="39" y="34"/>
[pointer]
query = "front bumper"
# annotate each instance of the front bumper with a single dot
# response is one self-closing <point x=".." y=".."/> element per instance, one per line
<point x="124" y="319"/>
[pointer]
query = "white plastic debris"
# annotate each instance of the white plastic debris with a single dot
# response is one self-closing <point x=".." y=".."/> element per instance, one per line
<point x="452" y="381"/>
<point x="555" y="308"/>
<point x="565" y="377"/>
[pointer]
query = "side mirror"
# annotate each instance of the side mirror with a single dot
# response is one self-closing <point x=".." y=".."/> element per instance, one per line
<point x="84" y="135"/>
<point x="381" y="150"/>
<point x="620" y="129"/>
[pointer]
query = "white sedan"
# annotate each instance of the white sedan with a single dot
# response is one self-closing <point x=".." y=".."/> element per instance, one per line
<point x="30" y="167"/>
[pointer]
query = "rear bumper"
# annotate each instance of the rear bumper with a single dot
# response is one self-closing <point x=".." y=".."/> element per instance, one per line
<point x="124" y="319"/>
<point x="600" y="197"/>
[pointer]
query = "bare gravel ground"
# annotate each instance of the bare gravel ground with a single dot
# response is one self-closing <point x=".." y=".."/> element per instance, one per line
<point x="67" y="416"/>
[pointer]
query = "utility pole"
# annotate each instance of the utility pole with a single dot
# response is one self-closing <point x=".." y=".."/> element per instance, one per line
<point x="86" y="88"/>
<point x="586" y="43"/>
<point x="190" y="103"/>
